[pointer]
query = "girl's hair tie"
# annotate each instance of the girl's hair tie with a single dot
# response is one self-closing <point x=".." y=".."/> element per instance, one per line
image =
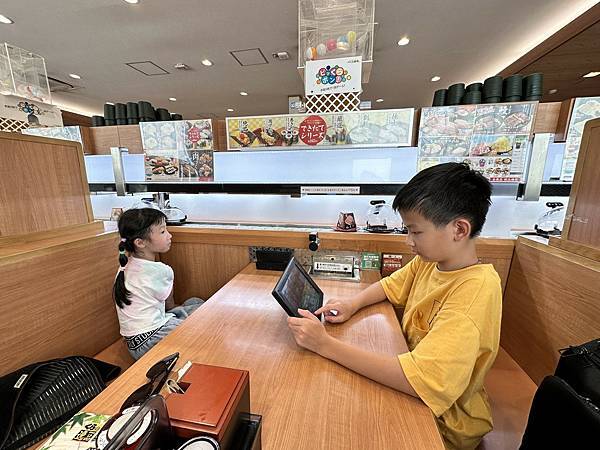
<point x="123" y="240"/>
<point x="121" y="269"/>
<point x="121" y="252"/>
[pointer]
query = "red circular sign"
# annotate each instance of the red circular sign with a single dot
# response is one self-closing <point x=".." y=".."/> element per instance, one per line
<point x="194" y="134"/>
<point x="312" y="130"/>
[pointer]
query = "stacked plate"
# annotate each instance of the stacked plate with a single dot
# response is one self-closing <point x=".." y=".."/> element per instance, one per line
<point x="533" y="87"/>
<point x="109" y="114"/>
<point x="97" y="121"/>
<point x="133" y="117"/>
<point x="163" y="114"/>
<point x="120" y="114"/>
<point x="455" y="94"/>
<point x="439" y="97"/>
<point x="513" y="88"/>
<point x="492" y="89"/>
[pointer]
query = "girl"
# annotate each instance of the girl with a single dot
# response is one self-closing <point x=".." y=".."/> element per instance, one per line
<point x="143" y="289"/>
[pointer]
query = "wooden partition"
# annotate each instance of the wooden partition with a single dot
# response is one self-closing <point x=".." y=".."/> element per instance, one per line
<point x="552" y="300"/>
<point x="56" y="297"/>
<point x="204" y="259"/>
<point x="44" y="184"/>
<point x="581" y="232"/>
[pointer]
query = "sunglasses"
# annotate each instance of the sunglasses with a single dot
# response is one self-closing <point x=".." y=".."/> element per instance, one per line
<point x="157" y="376"/>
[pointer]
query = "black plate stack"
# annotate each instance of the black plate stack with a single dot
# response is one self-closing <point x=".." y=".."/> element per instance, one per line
<point x="146" y="111"/>
<point x="163" y="114"/>
<point x="97" y="121"/>
<point x="492" y="89"/>
<point x="533" y="87"/>
<point x="120" y="114"/>
<point x="439" y="97"/>
<point x="109" y="114"/>
<point x="455" y="94"/>
<point x="473" y="94"/>
<point x="513" y="88"/>
<point x="133" y="117"/>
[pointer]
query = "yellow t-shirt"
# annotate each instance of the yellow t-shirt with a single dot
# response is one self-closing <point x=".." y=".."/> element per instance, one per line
<point x="452" y="326"/>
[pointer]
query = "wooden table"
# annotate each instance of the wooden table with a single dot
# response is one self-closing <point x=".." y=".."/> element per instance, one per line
<point x="307" y="402"/>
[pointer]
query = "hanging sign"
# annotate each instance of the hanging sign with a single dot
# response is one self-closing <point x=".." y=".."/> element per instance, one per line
<point x="333" y="76"/>
<point x="35" y="113"/>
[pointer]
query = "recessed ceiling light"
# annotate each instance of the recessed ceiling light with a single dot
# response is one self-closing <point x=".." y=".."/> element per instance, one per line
<point x="173" y="99"/>
<point x="230" y="109"/>
<point x="379" y="100"/>
<point x="74" y="75"/>
<point x="207" y="62"/>
<point x="243" y="93"/>
<point x="4" y="19"/>
<point x="403" y="41"/>
<point x="133" y="2"/>
<point x="552" y="91"/>
<point x="436" y="78"/>
<point x="591" y="74"/>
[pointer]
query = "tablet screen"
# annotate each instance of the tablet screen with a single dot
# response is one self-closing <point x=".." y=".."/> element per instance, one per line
<point x="296" y="290"/>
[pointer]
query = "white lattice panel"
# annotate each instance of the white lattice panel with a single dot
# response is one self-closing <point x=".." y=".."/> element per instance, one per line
<point x="332" y="103"/>
<point x="12" y="125"/>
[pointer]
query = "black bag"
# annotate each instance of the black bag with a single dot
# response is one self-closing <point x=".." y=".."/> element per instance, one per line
<point x="580" y="367"/>
<point x="561" y="419"/>
<point x="39" y="398"/>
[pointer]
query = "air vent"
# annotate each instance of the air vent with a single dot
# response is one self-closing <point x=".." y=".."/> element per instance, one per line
<point x="148" y="68"/>
<point x="57" y="85"/>
<point x="249" y="57"/>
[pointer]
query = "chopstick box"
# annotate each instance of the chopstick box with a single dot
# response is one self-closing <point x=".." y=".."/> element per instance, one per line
<point x="214" y="402"/>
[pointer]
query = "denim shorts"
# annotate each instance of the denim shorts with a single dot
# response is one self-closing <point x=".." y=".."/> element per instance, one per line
<point x="139" y="344"/>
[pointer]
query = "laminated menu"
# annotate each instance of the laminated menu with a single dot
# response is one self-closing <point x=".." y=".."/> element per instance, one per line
<point x="584" y="109"/>
<point x="80" y="432"/>
<point x="178" y="150"/>
<point x="391" y="128"/>
<point x="492" y="138"/>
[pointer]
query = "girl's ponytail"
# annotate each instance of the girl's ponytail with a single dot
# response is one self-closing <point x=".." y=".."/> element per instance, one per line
<point x="120" y="292"/>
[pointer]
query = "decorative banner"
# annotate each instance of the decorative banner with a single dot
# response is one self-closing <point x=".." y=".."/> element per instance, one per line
<point x="491" y="138"/>
<point x="179" y="150"/>
<point x="67" y="133"/>
<point x="333" y="76"/>
<point x="35" y="113"/>
<point x="383" y="128"/>
<point x="584" y="109"/>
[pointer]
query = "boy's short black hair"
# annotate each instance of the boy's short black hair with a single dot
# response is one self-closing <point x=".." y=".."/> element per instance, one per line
<point x="446" y="192"/>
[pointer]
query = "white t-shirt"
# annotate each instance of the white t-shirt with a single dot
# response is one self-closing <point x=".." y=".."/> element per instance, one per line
<point x="149" y="283"/>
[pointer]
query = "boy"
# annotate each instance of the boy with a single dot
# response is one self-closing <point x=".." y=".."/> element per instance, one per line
<point x="453" y="306"/>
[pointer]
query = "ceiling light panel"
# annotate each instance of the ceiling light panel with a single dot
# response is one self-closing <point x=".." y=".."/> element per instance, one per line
<point x="249" y="57"/>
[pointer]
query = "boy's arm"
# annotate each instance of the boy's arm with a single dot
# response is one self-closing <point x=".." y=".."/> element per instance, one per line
<point x="310" y="333"/>
<point x="381" y="368"/>
<point x="371" y="295"/>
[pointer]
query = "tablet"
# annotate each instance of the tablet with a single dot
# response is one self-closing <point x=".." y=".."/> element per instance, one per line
<point x="297" y="290"/>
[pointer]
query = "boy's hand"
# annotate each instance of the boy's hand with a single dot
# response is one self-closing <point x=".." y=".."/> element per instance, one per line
<point x="337" y="311"/>
<point x="308" y="331"/>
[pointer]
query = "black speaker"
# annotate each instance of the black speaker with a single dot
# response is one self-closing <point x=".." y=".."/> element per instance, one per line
<point x="273" y="259"/>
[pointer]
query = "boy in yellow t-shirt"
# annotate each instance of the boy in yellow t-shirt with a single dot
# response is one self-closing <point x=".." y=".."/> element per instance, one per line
<point x="452" y="306"/>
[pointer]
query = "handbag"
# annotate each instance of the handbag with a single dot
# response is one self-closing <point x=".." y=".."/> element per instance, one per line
<point x="39" y="398"/>
<point x="561" y="419"/>
<point x="579" y="366"/>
